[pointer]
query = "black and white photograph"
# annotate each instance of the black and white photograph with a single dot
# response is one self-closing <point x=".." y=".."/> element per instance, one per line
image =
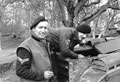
<point x="59" y="40"/>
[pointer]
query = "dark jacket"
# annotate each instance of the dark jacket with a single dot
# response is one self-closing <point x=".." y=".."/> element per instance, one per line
<point x="32" y="60"/>
<point x="63" y="40"/>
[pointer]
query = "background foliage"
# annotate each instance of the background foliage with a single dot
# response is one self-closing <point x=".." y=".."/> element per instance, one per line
<point x="16" y="16"/>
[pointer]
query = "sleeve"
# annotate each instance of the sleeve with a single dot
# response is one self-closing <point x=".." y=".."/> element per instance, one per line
<point x="23" y="66"/>
<point x="64" y="46"/>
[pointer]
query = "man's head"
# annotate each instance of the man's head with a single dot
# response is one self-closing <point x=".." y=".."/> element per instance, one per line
<point x="40" y="27"/>
<point x="83" y="30"/>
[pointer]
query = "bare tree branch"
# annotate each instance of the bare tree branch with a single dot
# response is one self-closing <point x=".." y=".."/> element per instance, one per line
<point x="112" y="18"/>
<point x="4" y="3"/>
<point x="93" y="3"/>
<point x="112" y="24"/>
<point x="100" y="11"/>
<point x="79" y="6"/>
<point x="117" y="22"/>
<point x="82" y="4"/>
<point x="96" y="14"/>
<point x="62" y="2"/>
<point x="114" y="7"/>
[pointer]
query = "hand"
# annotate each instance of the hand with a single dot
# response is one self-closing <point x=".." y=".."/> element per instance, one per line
<point x="48" y="74"/>
<point x="80" y="56"/>
<point x="84" y="41"/>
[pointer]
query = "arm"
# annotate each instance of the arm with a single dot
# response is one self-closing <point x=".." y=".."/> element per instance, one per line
<point x="64" y="46"/>
<point x="23" y="66"/>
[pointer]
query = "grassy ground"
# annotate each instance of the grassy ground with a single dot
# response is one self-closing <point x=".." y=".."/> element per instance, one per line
<point x="7" y="59"/>
<point x="8" y="49"/>
<point x="8" y="43"/>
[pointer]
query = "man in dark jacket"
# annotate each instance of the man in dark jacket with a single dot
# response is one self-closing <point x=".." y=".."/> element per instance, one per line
<point x="64" y="39"/>
<point x="33" y="58"/>
<point x="62" y="42"/>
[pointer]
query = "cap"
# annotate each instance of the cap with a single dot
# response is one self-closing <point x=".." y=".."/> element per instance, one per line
<point x="39" y="19"/>
<point x="84" y="28"/>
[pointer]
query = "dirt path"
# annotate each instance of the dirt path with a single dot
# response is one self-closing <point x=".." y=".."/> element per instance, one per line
<point x="8" y="59"/>
<point x="7" y="55"/>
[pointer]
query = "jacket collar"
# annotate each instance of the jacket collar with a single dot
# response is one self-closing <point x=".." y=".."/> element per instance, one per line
<point x="75" y="35"/>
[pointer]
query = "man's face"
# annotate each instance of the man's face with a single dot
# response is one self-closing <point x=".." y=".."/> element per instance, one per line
<point x="81" y="35"/>
<point x="41" y="29"/>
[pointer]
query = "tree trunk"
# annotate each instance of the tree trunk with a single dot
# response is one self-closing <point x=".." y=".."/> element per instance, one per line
<point x="0" y="34"/>
<point x="67" y="17"/>
<point x="0" y="41"/>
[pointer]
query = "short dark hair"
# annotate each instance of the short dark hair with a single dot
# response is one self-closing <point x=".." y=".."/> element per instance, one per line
<point x="36" y="21"/>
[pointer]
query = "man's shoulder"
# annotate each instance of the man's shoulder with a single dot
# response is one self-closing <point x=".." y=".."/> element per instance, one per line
<point x="26" y="41"/>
